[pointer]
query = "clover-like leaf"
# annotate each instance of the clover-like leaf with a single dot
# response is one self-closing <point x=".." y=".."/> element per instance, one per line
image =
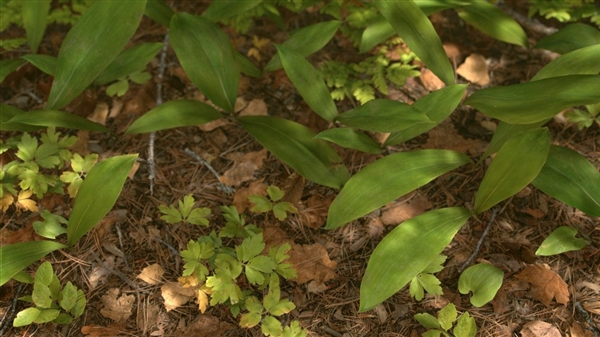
<point x="561" y="240"/>
<point x="281" y="210"/>
<point x="198" y="216"/>
<point x="447" y="316"/>
<point x="483" y="280"/>
<point x="427" y="321"/>
<point x="261" y="204"/>
<point x="51" y="227"/>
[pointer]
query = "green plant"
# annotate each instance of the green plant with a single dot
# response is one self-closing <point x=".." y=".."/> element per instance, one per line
<point x="52" y="304"/>
<point x="217" y="271"/>
<point x="463" y="326"/>
<point x="279" y="208"/>
<point x="426" y="281"/>
<point x="585" y="118"/>
<point x="565" y="10"/>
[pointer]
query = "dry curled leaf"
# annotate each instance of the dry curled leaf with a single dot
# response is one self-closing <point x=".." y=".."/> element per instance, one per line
<point x="115" y="307"/>
<point x="475" y="69"/>
<point x="539" y="329"/>
<point x="244" y="167"/>
<point x="256" y="107"/>
<point x="176" y="295"/>
<point x="95" y="330"/>
<point x="577" y="331"/>
<point x="545" y="284"/>
<point x="152" y="274"/>
<point x="430" y="81"/>
<point x="206" y="326"/>
<point x="240" y="198"/>
<point x="404" y="210"/>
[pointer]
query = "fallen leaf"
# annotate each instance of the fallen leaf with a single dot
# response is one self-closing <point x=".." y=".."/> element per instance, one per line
<point x="147" y="316"/>
<point x="100" y="113"/>
<point x="293" y="187"/>
<point x="99" y="272"/>
<point x="375" y="228"/>
<point x="202" y="300"/>
<point x="243" y="168"/>
<point x="536" y="213"/>
<point x="256" y="107"/>
<point x="207" y="326"/>
<point x="381" y="313"/>
<point x="444" y="136"/>
<point x="475" y="69"/>
<point x="577" y="331"/>
<point x="240" y="198"/>
<point x="539" y="329"/>
<point x="107" y="223"/>
<point x="175" y="295"/>
<point x="207" y="127"/>
<point x="545" y="284"/>
<point x="24" y="203"/>
<point x="118" y="309"/>
<point x="430" y="81"/>
<point x="152" y="274"/>
<point x="95" y="330"/>
<point x="592" y="306"/>
<point x="314" y="213"/>
<point x="6" y="201"/>
<point x="403" y="210"/>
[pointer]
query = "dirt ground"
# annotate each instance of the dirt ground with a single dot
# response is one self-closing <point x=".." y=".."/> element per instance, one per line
<point x="112" y="263"/>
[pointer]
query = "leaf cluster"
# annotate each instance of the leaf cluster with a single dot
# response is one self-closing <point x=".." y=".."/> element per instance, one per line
<point x="463" y="326"/>
<point x="565" y="10"/>
<point x="186" y="212"/>
<point x="280" y="208"/>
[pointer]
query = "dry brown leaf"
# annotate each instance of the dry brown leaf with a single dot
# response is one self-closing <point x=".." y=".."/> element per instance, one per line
<point x="95" y="330"/>
<point x="175" y="295"/>
<point x="404" y="210"/>
<point x="293" y="187"/>
<point x="536" y="213"/>
<point x="577" y="331"/>
<point x="444" y="136"/>
<point x="381" y="313"/>
<point x="100" y="113"/>
<point x="213" y="125"/>
<point x="152" y="274"/>
<point x="118" y="309"/>
<point x="545" y="284"/>
<point x="240" y="198"/>
<point x="315" y="212"/>
<point x="206" y="326"/>
<point x="99" y="272"/>
<point x="107" y="223"/>
<point x="24" y="203"/>
<point x="243" y="168"/>
<point x="592" y="306"/>
<point x="539" y="329"/>
<point x="375" y="228"/>
<point x="256" y="107"/>
<point x="202" y="300"/>
<point x="430" y="81"/>
<point x="475" y="69"/>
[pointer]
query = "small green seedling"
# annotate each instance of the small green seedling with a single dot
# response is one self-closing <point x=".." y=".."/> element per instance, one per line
<point x="52" y="304"/>
<point x="279" y="208"/>
<point x="426" y="281"/>
<point x="52" y="226"/>
<point x="185" y="213"/>
<point x="585" y="118"/>
<point x="120" y="87"/>
<point x="561" y="240"/>
<point x="483" y="280"/>
<point x="81" y="166"/>
<point x="446" y="321"/>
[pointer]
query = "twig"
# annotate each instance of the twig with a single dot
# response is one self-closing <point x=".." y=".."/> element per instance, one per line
<point x="479" y="243"/>
<point x="161" y="72"/>
<point x="173" y="250"/>
<point x="220" y="186"/>
<point x="531" y="24"/>
<point x="118" y="227"/>
<point x="587" y="318"/>
<point x="10" y="312"/>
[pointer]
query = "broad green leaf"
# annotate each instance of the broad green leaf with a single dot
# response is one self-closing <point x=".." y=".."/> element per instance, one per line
<point x="416" y="30"/>
<point x="309" y="82"/>
<point x="7" y="66"/>
<point x="427" y="320"/>
<point x="158" y="11"/>
<point x="129" y="61"/>
<point x="437" y="105"/>
<point x="247" y="67"/>
<point x="91" y="45"/>
<point x="570" y="37"/>
<point x="57" y="118"/>
<point x="68" y="296"/>
<point x="44" y="273"/>
<point x="271" y="326"/>
<point x="45" y="63"/>
<point x="97" y="194"/>
<point x="350" y="138"/>
<point x="7" y="113"/>
<point x="261" y="204"/>
<point x="504" y="132"/>
<point x="208" y="58"/>
<point x="388" y="179"/>
<point x="536" y="101"/>
<point x="41" y="296"/>
<point x="281" y="210"/>
<point x="293" y="143"/>
<point x="572" y="179"/>
<point x="584" y="61"/>
<point x="16" y="257"/>
<point x="220" y="10"/>
<point x="306" y="41"/>
<point x="483" y="280"/>
<point x="376" y="33"/>
<point x="383" y="115"/>
<point x="174" y="114"/>
<point x="275" y="193"/>
<point x="492" y="21"/>
<point x="51" y="226"/>
<point x="559" y="241"/>
<point x="35" y="15"/>
<point x="250" y="319"/>
<point x="406" y="251"/>
<point x="447" y="316"/>
<point x="26" y="317"/>
<point x="517" y="163"/>
<point x="465" y="326"/>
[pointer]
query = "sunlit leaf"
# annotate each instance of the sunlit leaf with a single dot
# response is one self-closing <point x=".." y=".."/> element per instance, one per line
<point x="247" y="67"/>
<point x="559" y="241"/>
<point x="517" y="163"/>
<point x="570" y="37"/>
<point x="383" y="115"/>
<point x="483" y="280"/>
<point x="350" y="138"/>
<point x="91" y="45"/>
<point x="57" y="118"/>
<point x="406" y="251"/>
<point x="388" y="179"/>
<point x="16" y="257"/>
<point x="505" y="131"/>
<point x="174" y="114"/>
<point x="45" y="63"/>
<point x="35" y="15"/>
<point x="129" y="61"/>
<point x="9" y="112"/>
<point x="492" y="21"/>
<point x="572" y="179"/>
<point x="584" y="61"/>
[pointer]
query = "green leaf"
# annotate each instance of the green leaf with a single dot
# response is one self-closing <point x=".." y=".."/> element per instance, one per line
<point x="281" y="210"/>
<point x="561" y="240"/>
<point x="493" y="22"/>
<point x="68" y="296"/>
<point x="174" y="114"/>
<point x="436" y="264"/>
<point x="8" y="112"/>
<point x="250" y="247"/>
<point x="26" y="317"/>
<point x="435" y="333"/>
<point x="198" y="216"/>
<point x="271" y="326"/>
<point x="309" y="82"/>
<point x="375" y="33"/>
<point x="254" y="305"/>
<point x="275" y="193"/>
<point x="208" y="58"/>
<point x="158" y="11"/>
<point x="41" y="295"/>
<point x="250" y="319"/>
<point x="261" y="204"/>
<point x="388" y="179"/>
<point x="293" y="143"/>
<point x="430" y="283"/>
<point x="428" y="321"/>
<point x="416" y="290"/>
<point x="572" y="179"/>
<point x="416" y="30"/>
<point x="186" y="205"/>
<point x="465" y="326"/>
<point x="35" y="15"/>
<point x="506" y="131"/>
<point x="247" y="67"/>
<point x="7" y="66"/>
<point x="170" y="214"/>
<point x="57" y="118"/>
<point x="262" y="263"/>
<point x="517" y="163"/>
<point x="45" y="63"/>
<point x="406" y="251"/>
<point x="63" y="319"/>
<point x="23" y="277"/>
<point x="16" y="257"/>
<point x="536" y="101"/>
<point x="97" y="194"/>
<point x="570" y="37"/>
<point x="118" y="88"/>
<point x="483" y="280"/>
<point x="350" y="138"/>
<point x="282" y="307"/>
<point x="437" y="105"/>
<point x="91" y="45"/>
<point x="51" y="226"/>
<point x="221" y="10"/>
<point x="79" y="307"/>
<point x="383" y="115"/>
<point x="129" y="61"/>
<point x="582" y="61"/>
<point x="44" y="273"/>
<point x="447" y="316"/>
<point x="306" y="41"/>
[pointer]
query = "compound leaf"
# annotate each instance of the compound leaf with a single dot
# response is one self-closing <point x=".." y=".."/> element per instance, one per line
<point x="483" y="280"/>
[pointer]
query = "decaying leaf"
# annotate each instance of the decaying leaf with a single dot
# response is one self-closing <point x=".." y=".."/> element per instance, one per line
<point x="206" y="326"/>
<point x="475" y="69"/>
<point x="444" y="136"/>
<point x="24" y="203"/>
<point x="240" y="198"/>
<point x="175" y="295"/>
<point x="577" y="331"/>
<point x="99" y="272"/>
<point x="100" y="113"/>
<point x="244" y="167"/>
<point x="405" y="209"/>
<point x="430" y="81"/>
<point x="315" y="212"/>
<point x="117" y="308"/>
<point x="256" y="107"/>
<point x="539" y="329"/>
<point x="95" y="330"/>
<point x="545" y="284"/>
<point x="152" y="274"/>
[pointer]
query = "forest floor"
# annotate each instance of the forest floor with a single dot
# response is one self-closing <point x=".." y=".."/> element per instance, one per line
<point x="128" y="268"/>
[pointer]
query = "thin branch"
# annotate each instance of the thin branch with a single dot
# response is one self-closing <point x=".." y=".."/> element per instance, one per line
<point x="479" y="243"/>
<point x="220" y="186"/>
